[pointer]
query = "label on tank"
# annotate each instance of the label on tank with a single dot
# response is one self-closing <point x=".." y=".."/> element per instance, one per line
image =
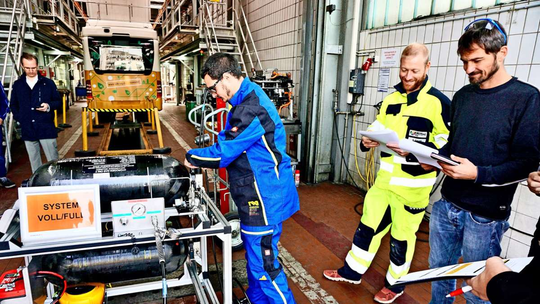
<point x="110" y="164"/>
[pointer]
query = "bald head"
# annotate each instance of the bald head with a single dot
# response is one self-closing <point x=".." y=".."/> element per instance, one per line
<point x="416" y="49"/>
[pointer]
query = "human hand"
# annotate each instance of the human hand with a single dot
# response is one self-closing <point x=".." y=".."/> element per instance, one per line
<point x="465" y="170"/>
<point x="189" y="165"/>
<point x="395" y="147"/>
<point x="533" y="182"/>
<point x="44" y="107"/>
<point x="1" y="121"/>
<point x="494" y="266"/>
<point x="368" y="143"/>
<point x="427" y="167"/>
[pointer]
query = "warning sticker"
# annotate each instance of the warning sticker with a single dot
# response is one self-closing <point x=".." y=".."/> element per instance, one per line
<point x="110" y="164"/>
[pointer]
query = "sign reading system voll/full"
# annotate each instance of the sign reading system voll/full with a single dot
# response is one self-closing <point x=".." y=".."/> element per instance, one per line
<point x="59" y="213"/>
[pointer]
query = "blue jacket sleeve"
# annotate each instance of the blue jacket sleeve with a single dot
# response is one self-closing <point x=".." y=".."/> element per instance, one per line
<point x="4" y="109"/>
<point x="246" y="130"/>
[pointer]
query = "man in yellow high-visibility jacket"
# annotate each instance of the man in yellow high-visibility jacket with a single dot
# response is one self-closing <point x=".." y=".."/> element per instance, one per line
<point x="400" y="195"/>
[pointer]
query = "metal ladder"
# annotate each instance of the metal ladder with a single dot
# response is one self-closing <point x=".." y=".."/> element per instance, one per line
<point x="11" y="50"/>
<point x="231" y="36"/>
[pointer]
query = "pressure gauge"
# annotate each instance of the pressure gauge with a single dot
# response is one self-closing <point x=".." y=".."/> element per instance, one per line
<point x="138" y="209"/>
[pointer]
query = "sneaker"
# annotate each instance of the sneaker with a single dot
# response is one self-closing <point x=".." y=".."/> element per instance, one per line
<point x="6" y="183"/>
<point x="243" y="301"/>
<point x="333" y="275"/>
<point x="386" y="296"/>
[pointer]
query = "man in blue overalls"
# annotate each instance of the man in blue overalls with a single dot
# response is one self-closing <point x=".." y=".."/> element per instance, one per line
<point x="252" y="148"/>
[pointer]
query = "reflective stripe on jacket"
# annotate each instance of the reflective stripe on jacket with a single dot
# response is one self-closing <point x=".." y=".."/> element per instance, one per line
<point x="421" y="116"/>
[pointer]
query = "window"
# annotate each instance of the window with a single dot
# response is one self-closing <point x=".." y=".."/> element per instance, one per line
<point x="407" y="10"/>
<point x="483" y="3"/>
<point x="462" y="4"/>
<point x="441" y="6"/>
<point x="121" y="55"/>
<point x="387" y="12"/>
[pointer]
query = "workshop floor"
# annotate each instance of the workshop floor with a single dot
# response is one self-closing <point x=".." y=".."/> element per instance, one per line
<point x="317" y="237"/>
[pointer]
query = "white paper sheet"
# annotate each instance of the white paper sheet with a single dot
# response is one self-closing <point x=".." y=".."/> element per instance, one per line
<point x="422" y="153"/>
<point x="383" y="137"/>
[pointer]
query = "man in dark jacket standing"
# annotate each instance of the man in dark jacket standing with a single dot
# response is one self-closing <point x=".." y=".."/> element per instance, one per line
<point x="252" y="148"/>
<point x="4" y="109"/>
<point x="33" y="102"/>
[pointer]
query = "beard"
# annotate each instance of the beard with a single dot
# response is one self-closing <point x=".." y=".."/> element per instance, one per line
<point x="488" y="76"/>
<point x="411" y="87"/>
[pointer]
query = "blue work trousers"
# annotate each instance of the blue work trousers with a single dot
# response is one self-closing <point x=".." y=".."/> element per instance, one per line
<point x="454" y="232"/>
<point x="267" y="281"/>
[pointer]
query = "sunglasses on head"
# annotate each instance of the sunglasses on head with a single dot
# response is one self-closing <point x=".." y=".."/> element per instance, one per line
<point x="489" y="26"/>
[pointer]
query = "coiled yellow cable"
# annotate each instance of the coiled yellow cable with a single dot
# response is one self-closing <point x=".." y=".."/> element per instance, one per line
<point x="369" y="164"/>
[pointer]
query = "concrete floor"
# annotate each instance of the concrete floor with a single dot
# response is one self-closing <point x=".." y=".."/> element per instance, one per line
<point x="318" y="237"/>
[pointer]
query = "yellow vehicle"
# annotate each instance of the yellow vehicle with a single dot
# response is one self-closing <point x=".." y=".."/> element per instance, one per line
<point x="122" y="72"/>
<point x="121" y="65"/>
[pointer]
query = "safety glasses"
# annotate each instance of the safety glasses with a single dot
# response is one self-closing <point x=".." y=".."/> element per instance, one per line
<point x="489" y="26"/>
<point x="212" y="89"/>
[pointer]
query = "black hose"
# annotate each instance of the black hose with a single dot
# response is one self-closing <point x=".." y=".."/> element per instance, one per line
<point x="343" y="155"/>
<point x="243" y="290"/>
<point x="215" y="261"/>
<point x="164" y="280"/>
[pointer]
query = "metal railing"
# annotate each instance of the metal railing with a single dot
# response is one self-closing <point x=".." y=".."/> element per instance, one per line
<point x="62" y="9"/>
<point x="12" y="52"/>
<point x="182" y="14"/>
<point x="247" y="37"/>
<point x="240" y="28"/>
<point x="117" y="12"/>
<point x="215" y="22"/>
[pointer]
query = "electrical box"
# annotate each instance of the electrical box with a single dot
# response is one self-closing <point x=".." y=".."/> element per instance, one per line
<point x="134" y="217"/>
<point x="356" y="81"/>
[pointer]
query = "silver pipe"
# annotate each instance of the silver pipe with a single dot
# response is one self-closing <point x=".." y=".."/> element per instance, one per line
<point x="201" y="296"/>
<point x="319" y="54"/>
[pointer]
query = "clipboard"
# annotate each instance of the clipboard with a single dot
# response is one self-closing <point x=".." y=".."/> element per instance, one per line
<point x="464" y="270"/>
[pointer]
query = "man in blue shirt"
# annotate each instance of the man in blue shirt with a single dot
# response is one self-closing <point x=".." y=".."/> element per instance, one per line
<point x="252" y="148"/>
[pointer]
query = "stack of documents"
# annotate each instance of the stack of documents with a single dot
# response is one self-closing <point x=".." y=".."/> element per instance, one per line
<point x="424" y="154"/>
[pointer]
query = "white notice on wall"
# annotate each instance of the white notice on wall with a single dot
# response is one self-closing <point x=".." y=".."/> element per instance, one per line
<point x="384" y="80"/>
<point x="390" y="58"/>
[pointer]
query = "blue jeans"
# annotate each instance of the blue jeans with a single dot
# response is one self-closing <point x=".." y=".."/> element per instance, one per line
<point x="453" y="233"/>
